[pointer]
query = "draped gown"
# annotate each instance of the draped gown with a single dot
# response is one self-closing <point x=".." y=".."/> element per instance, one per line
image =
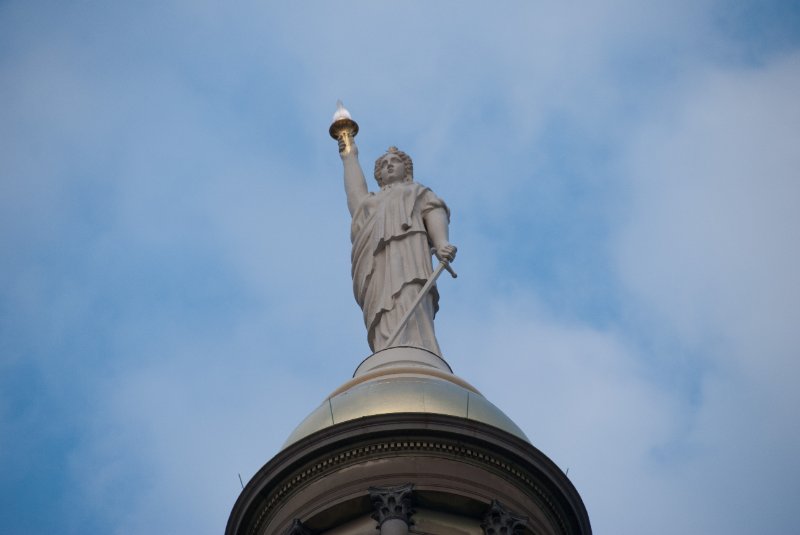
<point x="391" y="260"/>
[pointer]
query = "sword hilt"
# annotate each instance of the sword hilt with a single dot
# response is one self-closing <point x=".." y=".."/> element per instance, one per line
<point x="446" y="263"/>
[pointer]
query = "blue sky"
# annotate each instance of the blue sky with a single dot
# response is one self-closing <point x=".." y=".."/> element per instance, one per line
<point x="175" y="292"/>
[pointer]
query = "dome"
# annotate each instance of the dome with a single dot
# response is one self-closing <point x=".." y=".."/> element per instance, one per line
<point x="404" y="380"/>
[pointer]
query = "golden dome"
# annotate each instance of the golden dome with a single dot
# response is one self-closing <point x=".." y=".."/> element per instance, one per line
<point x="404" y="380"/>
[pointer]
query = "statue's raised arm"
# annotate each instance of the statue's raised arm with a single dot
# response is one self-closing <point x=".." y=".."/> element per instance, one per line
<point x="393" y="232"/>
<point x="344" y="130"/>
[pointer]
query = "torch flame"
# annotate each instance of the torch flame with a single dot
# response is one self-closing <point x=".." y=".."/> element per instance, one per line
<point x="341" y="112"/>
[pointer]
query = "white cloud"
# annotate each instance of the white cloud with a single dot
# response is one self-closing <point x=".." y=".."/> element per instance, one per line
<point x="711" y="257"/>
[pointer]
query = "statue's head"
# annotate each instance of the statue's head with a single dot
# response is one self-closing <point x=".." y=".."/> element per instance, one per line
<point x="394" y="166"/>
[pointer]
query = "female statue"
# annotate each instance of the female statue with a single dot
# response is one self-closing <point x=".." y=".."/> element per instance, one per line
<point x="393" y="231"/>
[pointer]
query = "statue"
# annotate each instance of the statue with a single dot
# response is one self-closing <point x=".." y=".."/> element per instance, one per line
<point x="393" y="232"/>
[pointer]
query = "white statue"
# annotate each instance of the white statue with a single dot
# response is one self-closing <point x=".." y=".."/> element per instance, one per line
<point x="393" y="232"/>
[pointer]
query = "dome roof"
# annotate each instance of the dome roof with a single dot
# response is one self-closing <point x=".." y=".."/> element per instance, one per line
<point x="404" y="380"/>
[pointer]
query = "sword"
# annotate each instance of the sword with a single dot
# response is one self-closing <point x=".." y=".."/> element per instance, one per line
<point x="422" y="293"/>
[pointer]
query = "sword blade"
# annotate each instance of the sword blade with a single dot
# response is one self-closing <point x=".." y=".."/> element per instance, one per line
<point x="422" y="293"/>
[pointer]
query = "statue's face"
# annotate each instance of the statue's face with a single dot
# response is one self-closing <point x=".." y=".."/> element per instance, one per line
<point x="392" y="169"/>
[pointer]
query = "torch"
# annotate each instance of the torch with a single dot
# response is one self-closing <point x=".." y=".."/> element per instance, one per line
<point x="343" y="128"/>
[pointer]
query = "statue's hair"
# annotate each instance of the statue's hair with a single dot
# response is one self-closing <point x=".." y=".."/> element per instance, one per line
<point x="409" y="165"/>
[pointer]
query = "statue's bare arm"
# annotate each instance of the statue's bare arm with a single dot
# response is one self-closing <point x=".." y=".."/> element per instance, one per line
<point x="438" y="228"/>
<point x="355" y="185"/>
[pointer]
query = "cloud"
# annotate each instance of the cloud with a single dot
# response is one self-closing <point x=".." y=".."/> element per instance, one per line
<point x="185" y="425"/>
<point x="622" y="182"/>
<point x="710" y="257"/>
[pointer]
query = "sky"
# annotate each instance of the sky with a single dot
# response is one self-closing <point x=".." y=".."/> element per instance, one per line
<point x="175" y="292"/>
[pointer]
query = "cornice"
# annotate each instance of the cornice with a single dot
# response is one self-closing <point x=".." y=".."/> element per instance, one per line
<point x="391" y="436"/>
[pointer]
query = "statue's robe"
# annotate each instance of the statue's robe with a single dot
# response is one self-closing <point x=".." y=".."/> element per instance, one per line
<point x="391" y="261"/>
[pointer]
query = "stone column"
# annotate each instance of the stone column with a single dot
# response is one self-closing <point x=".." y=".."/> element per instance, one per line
<point x="499" y="520"/>
<point x="392" y="508"/>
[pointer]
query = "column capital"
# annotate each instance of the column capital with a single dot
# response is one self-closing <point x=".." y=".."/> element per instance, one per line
<point x="500" y="520"/>
<point x="392" y="503"/>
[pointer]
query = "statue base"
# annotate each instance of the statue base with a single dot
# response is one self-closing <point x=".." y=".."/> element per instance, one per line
<point x="402" y="356"/>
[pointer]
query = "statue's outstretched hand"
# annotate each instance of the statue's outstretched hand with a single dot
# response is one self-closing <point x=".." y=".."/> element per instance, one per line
<point x="446" y="252"/>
